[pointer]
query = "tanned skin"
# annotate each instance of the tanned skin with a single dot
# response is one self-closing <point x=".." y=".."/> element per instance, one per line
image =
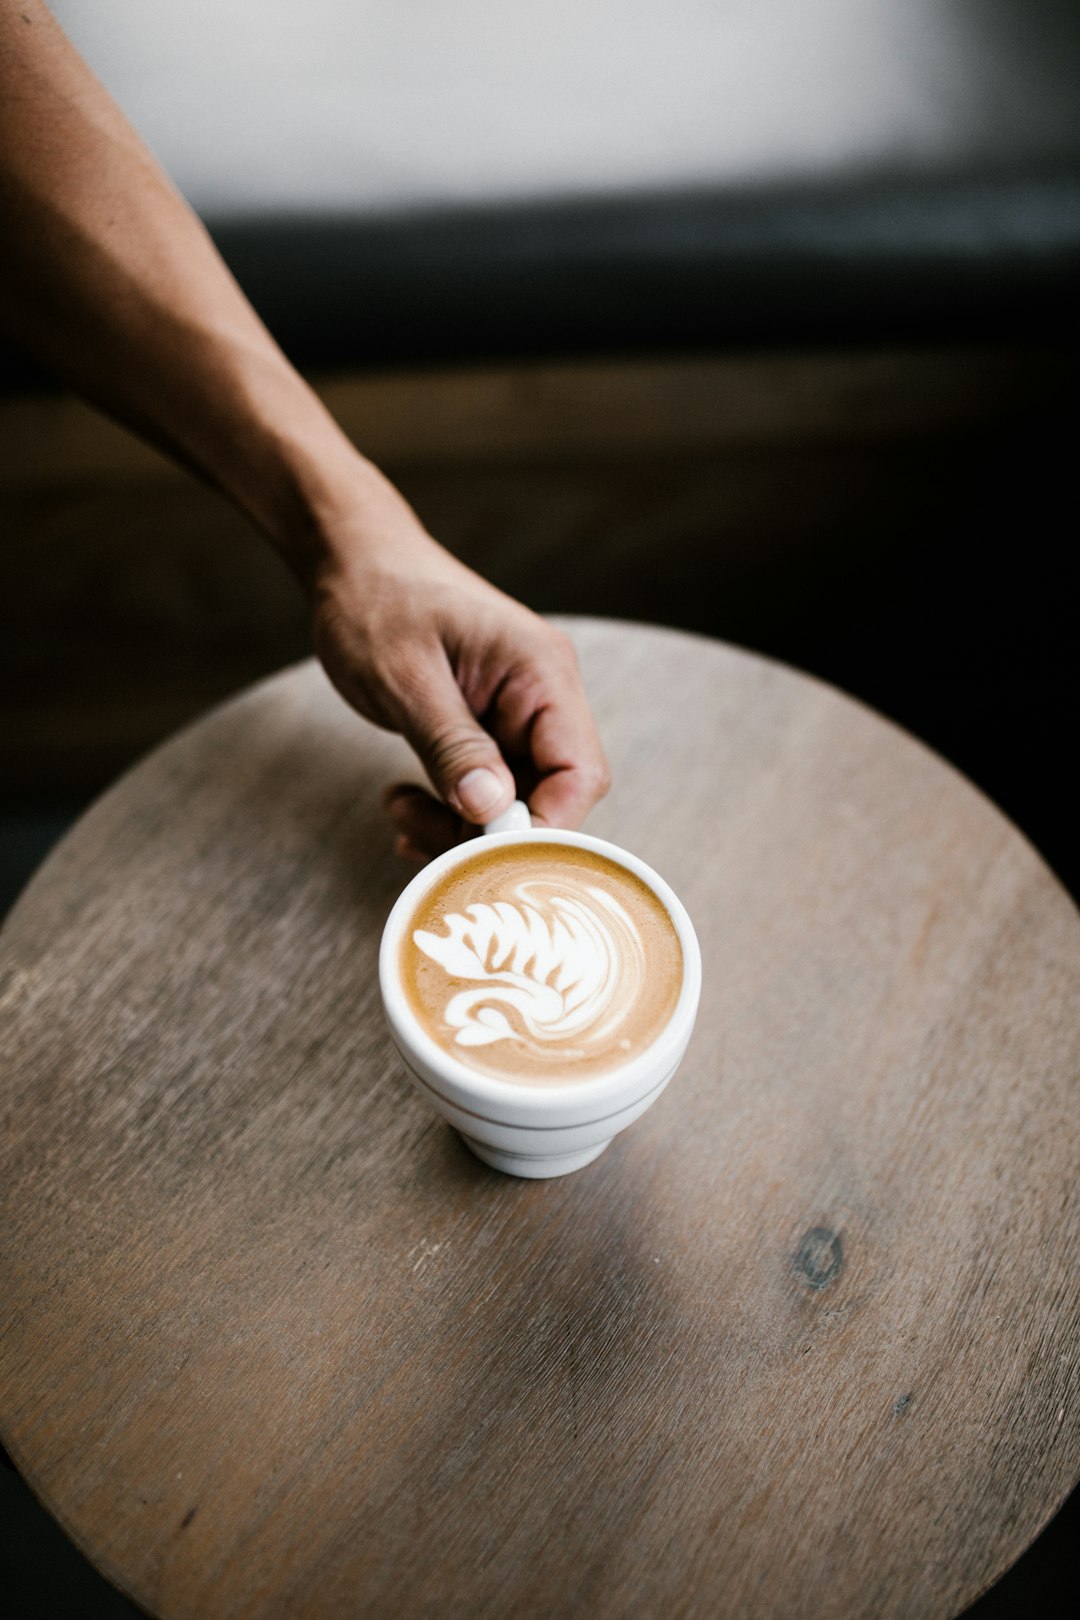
<point x="109" y="278"/>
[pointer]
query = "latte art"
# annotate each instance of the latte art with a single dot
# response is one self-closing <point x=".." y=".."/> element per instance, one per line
<point x="550" y="965"/>
<point x="541" y="961"/>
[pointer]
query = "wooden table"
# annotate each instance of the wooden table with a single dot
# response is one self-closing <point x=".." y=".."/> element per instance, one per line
<point x="800" y="1342"/>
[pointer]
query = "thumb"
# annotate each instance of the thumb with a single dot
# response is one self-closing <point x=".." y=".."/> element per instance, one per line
<point x="462" y="760"/>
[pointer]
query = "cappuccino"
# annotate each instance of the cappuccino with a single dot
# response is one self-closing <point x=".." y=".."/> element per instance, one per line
<point x="538" y="962"/>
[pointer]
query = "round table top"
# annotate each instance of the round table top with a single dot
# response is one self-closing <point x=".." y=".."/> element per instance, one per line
<point x="801" y="1340"/>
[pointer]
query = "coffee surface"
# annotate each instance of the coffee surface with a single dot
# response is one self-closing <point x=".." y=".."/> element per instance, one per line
<point x="539" y="962"/>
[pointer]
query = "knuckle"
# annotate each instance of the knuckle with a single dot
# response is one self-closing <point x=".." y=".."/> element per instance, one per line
<point x="561" y="648"/>
<point x="452" y="750"/>
<point x="597" y="775"/>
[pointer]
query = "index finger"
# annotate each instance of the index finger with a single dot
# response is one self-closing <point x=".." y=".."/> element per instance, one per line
<point x="568" y="757"/>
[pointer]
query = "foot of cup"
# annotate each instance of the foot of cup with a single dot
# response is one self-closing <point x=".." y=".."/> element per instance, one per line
<point x="537" y="1166"/>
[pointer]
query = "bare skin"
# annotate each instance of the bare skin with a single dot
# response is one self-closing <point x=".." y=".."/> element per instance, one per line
<point x="108" y="277"/>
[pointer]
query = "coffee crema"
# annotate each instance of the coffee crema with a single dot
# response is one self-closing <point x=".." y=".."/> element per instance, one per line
<point x="540" y="962"/>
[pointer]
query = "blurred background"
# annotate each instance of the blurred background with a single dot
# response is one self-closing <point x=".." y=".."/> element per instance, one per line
<point x="750" y="320"/>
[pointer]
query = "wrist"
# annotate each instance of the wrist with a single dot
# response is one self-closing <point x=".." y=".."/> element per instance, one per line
<point x="322" y="504"/>
<point x="315" y="496"/>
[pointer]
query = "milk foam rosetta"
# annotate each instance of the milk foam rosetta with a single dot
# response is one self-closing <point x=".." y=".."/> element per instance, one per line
<point x="541" y="961"/>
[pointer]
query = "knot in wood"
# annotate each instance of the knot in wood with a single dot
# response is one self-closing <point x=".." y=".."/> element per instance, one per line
<point x="819" y="1258"/>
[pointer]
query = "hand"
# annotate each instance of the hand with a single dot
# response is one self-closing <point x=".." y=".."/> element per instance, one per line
<point x="108" y="276"/>
<point x="488" y="694"/>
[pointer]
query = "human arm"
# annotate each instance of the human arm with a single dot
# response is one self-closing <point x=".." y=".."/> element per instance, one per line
<point x="109" y="278"/>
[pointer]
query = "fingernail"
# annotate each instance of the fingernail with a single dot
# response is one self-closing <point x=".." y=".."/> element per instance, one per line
<point x="479" y="790"/>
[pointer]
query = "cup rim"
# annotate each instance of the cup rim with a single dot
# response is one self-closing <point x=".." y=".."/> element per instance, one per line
<point x="449" y="1073"/>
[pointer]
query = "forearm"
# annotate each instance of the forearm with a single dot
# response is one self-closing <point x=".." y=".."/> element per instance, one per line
<point x="108" y="277"/>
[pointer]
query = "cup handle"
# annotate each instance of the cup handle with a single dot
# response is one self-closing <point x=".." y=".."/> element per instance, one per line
<point x="515" y="819"/>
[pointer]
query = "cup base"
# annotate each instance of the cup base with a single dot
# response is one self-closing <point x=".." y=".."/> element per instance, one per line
<point x="535" y="1166"/>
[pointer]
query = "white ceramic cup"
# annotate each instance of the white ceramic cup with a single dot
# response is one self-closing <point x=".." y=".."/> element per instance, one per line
<point x="534" y="1129"/>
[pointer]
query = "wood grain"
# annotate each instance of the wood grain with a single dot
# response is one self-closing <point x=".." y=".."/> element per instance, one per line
<point x="802" y="1341"/>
